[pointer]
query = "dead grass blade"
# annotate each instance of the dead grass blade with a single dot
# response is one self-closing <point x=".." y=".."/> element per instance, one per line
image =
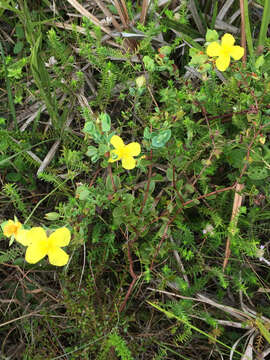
<point x="248" y="333"/>
<point x="79" y="29"/>
<point x="196" y="16"/>
<point x="145" y="6"/>
<point x="236" y="205"/>
<point x="87" y="14"/>
<point x="107" y="13"/>
<point x="228" y="309"/>
<point x="123" y="13"/>
<point x="48" y="158"/>
<point x="248" y="355"/>
<point x="225" y="8"/>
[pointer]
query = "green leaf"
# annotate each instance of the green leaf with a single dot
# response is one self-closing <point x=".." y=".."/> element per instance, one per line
<point x="19" y="32"/>
<point x="259" y="62"/>
<point x="147" y="134"/>
<point x="119" y="215"/>
<point x="161" y="139"/>
<point x="105" y="122"/>
<point x="236" y="157"/>
<point x="211" y="35"/>
<point x="198" y="59"/>
<point x="4" y="163"/>
<point x="257" y="172"/>
<point x="149" y="63"/>
<point x="165" y="50"/>
<point x="18" y="47"/>
<point x="13" y="177"/>
<point x="152" y="185"/>
<point x="169" y="174"/>
<point x="91" y="151"/>
<point x="116" y="180"/>
<point x="82" y="192"/>
<point x="89" y="127"/>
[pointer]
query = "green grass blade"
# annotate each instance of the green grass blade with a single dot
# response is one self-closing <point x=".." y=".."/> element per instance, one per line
<point x="265" y="23"/>
<point x="248" y="31"/>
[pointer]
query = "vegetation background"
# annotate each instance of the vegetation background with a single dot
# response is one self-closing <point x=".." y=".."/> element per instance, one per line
<point x="169" y="260"/>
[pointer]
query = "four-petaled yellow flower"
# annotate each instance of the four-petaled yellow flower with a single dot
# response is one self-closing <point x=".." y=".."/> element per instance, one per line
<point x="225" y="51"/>
<point x="125" y="153"/>
<point x="12" y="228"/>
<point x="39" y="245"/>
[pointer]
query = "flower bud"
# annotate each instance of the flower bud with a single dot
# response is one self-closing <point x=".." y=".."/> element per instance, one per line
<point x="52" y="216"/>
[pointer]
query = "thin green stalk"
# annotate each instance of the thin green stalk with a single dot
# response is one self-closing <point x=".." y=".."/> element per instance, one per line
<point x="265" y="23"/>
<point x="248" y="31"/>
<point x="171" y="350"/>
<point x="45" y="197"/>
<point x="170" y="315"/>
<point x="10" y="98"/>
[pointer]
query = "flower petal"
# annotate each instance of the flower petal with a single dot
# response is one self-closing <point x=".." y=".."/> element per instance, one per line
<point x="128" y="162"/>
<point x="35" y="252"/>
<point x="213" y="49"/>
<point x="22" y="237"/>
<point x="223" y="62"/>
<point x="237" y="52"/>
<point x="117" y="142"/>
<point x="57" y="256"/>
<point x="36" y="234"/>
<point x="60" y="237"/>
<point x="133" y="149"/>
<point x="227" y="40"/>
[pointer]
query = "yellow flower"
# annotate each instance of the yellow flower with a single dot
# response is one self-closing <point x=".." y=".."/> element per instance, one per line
<point x="39" y="245"/>
<point x="12" y="228"/>
<point x="124" y="152"/>
<point x="225" y="51"/>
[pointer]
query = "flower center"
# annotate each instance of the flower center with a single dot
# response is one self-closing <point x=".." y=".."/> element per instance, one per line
<point x="12" y="228"/>
<point x="226" y="50"/>
<point x="121" y="152"/>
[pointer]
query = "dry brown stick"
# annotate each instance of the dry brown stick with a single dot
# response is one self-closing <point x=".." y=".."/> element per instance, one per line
<point x="132" y="273"/>
<point x="236" y="205"/>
